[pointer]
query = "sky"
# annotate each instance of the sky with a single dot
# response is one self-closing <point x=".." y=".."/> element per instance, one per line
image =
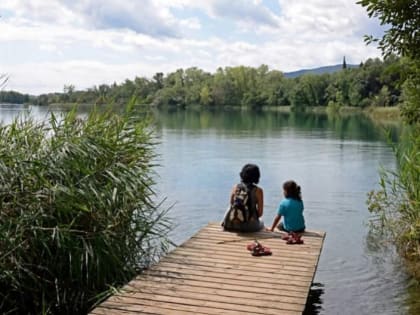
<point x="46" y="44"/>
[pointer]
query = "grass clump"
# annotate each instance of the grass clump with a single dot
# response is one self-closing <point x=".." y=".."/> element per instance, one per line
<point x="78" y="214"/>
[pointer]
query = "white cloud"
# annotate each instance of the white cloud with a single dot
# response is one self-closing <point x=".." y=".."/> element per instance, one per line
<point x="89" y="42"/>
<point x="51" y="11"/>
<point x="48" y="47"/>
<point x="321" y="19"/>
<point x="140" y="16"/>
<point x="245" y="11"/>
<point x="192" y="23"/>
<point x="239" y="11"/>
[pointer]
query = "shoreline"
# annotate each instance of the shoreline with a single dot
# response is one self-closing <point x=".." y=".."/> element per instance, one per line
<point x="383" y="115"/>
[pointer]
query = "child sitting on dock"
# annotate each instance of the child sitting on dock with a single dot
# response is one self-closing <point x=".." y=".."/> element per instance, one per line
<point x="291" y="209"/>
<point x="246" y="203"/>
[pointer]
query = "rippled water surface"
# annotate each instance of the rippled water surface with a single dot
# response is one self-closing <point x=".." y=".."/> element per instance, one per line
<point x="336" y="162"/>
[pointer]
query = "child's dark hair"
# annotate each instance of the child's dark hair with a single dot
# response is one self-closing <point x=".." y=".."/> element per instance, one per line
<point x="250" y="174"/>
<point x="292" y="190"/>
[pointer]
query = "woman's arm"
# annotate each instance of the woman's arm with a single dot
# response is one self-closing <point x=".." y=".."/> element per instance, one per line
<point x="260" y="201"/>
<point x="232" y="194"/>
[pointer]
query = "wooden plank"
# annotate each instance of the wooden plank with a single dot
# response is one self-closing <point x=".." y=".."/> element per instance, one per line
<point x="256" y="288"/>
<point x="160" y="287"/>
<point x="201" y="305"/>
<point x="240" y="251"/>
<point x="140" y="306"/>
<point x="237" y="300"/>
<point x="223" y="273"/>
<point x="214" y="273"/>
<point x="237" y="248"/>
<point x="236" y="239"/>
<point x="225" y="268"/>
<point x="226" y="279"/>
<point x="266" y="261"/>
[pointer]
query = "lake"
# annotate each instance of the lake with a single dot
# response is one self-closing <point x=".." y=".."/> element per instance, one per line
<point x="334" y="159"/>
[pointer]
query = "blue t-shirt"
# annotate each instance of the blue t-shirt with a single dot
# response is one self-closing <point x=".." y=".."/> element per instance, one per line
<point x="292" y="212"/>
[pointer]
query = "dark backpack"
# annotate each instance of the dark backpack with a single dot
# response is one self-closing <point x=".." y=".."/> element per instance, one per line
<point x="240" y="211"/>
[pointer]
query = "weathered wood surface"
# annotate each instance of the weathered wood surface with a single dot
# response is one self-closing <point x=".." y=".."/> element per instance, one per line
<point x="214" y="273"/>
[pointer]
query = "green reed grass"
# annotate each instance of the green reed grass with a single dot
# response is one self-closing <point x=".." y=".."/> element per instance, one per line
<point x="396" y="205"/>
<point x="78" y="212"/>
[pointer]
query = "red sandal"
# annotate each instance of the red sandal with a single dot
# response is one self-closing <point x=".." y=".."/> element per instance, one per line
<point x="251" y="246"/>
<point x="294" y="239"/>
<point x="261" y="251"/>
<point x="257" y="249"/>
<point x="286" y="237"/>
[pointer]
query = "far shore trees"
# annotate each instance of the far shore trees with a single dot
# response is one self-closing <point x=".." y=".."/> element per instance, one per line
<point x="373" y="83"/>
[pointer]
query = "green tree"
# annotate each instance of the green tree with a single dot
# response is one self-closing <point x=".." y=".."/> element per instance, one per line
<point x="223" y="90"/>
<point x="14" y="97"/>
<point x="402" y="38"/>
<point x="355" y="97"/>
<point x="275" y="88"/>
<point x="310" y="90"/>
<point x="69" y="89"/>
<point x="158" y="80"/>
<point x="205" y="96"/>
<point x="194" y="81"/>
<point x="402" y="17"/>
<point x="383" y="97"/>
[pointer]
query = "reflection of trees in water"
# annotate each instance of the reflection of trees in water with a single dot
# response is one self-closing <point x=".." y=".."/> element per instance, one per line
<point x="355" y="126"/>
<point x="314" y="302"/>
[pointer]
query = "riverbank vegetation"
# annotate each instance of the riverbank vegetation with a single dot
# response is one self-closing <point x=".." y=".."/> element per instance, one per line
<point x="78" y="215"/>
<point x="373" y="83"/>
<point x="390" y="114"/>
<point x="397" y="203"/>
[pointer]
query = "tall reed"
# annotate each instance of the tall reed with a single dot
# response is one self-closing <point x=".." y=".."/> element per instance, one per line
<point x="396" y="205"/>
<point x="78" y="211"/>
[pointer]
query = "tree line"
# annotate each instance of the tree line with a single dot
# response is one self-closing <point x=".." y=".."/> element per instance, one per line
<point x="374" y="82"/>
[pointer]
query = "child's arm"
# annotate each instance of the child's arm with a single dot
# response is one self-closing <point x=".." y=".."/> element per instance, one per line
<point x="275" y="222"/>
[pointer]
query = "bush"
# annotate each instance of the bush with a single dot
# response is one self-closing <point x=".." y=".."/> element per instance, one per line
<point x="78" y="214"/>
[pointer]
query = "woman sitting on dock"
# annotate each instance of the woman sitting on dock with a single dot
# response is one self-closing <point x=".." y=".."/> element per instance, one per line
<point x="246" y="203"/>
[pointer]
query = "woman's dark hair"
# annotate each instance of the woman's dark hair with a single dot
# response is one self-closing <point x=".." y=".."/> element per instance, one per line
<point x="250" y="174"/>
<point x="292" y="190"/>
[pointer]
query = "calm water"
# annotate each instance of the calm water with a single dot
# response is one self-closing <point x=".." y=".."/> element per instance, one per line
<point x="336" y="162"/>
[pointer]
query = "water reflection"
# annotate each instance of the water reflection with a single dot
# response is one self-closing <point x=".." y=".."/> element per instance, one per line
<point x="347" y="127"/>
<point x="314" y="302"/>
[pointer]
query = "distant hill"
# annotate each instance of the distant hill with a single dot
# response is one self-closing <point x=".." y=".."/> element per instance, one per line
<point x="320" y="70"/>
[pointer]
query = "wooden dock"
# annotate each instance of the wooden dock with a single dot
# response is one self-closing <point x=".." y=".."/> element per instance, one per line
<point x="214" y="273"/>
